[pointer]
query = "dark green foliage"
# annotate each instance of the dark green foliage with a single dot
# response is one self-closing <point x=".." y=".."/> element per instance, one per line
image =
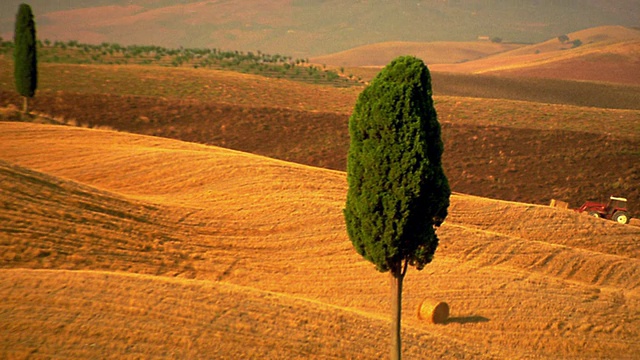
<point x="398" y="191"/>
<point x="25" y="68"/>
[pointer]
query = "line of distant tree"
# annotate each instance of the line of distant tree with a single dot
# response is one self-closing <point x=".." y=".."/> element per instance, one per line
<point x="270" y="65"/>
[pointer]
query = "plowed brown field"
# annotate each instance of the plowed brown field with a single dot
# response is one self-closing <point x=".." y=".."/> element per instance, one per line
<point x="501" y="149"/>
<point x="126" y="246"/>
<point x="527" y="140"/>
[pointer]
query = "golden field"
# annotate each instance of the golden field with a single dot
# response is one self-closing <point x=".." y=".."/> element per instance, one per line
<point x="135" y="231"/>
<point x="126" y="246"/>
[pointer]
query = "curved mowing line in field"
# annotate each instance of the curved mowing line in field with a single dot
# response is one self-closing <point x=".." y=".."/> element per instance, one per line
<point x="560" y="261"/>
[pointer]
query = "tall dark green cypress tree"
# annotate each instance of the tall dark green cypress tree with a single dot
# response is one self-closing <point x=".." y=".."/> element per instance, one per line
<point x="398" y="192"/>
<point x="25" y="55"/>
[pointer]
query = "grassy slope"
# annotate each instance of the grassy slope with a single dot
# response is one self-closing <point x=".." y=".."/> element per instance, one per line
<point x="262" y="261"/>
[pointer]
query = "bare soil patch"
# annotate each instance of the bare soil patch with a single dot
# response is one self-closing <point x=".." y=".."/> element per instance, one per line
<point x="598" y="70"/>
<point x="543" y="90"/>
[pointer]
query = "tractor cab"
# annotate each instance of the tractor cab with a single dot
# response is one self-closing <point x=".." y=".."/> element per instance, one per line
<point x="615" y="204"/>
<point x="615" y="209"/>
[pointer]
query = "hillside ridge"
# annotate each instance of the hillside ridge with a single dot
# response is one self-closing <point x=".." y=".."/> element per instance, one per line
<point x="380" y="54"/>
<point x="602" y="54"/>
<point x="599" y="54"/>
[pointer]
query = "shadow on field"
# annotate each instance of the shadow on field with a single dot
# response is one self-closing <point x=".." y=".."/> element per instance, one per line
<point x="474" y="319"/>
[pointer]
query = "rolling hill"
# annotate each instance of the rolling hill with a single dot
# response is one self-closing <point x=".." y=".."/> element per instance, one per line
<point x="127" y="246"/>
<point x="380" y="54"/>
<point x="304" y="28"/>
<point x="201" y="251"/>
<point x="607" y="54"/>
<point x="517" y="139"/>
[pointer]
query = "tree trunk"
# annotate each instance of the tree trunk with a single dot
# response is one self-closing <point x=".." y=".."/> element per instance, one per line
<point x="25" y="105"/>
<point x="397" y="277"/>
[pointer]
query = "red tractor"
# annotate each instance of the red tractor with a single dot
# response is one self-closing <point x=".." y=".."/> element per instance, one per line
<point x="615" y="209"/>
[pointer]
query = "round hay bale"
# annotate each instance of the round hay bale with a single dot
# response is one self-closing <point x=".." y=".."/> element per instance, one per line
<point x="436" y="312"/>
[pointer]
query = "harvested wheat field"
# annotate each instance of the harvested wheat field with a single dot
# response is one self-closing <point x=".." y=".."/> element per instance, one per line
<point x="115" y="245"/>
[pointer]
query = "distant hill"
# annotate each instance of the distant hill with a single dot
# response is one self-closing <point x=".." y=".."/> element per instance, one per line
<point x="438" y="52"/>
<point x="604" y="54"/>
<point x="608" y="54"/>
<point x="311" y="28"/>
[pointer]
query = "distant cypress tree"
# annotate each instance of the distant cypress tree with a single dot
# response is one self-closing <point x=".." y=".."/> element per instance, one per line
<point x="398" y="192"/>
<point x="25" y="55"/>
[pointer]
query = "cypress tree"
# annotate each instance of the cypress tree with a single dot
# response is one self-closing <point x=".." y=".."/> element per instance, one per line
<point x="398" y="192"/>
<point x="24" y="55"/>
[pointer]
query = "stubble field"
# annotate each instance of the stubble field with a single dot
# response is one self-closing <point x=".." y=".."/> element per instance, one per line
<point x="202" y="251"/>
<point x="127" y="246"/>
